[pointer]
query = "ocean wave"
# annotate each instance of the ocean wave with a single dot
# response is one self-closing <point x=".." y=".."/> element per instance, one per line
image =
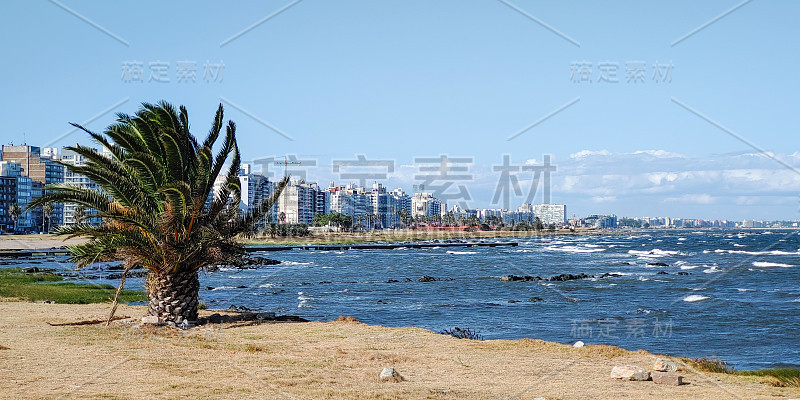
<point x="574" y="249"/>
<point x="461" y="252"/>
<point x="765" y="264"/>
<point x="654" y="253"/>
<point x="695" y="297"/>
<point x="690" y="266"/>
<point x="223" y="288"/>
<point x="712" y="270"/>
<point x="758" y="253"/>
<point x="296" y="263"/>
<point x="303" y="300"/>
<point x="746" y="290"/>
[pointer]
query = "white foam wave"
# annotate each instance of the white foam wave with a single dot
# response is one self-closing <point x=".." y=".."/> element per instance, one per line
<point x="765" y="264"/>
<point x="574" y="249"/>
<point x="461" y="252"/>
<point x="759" y="253"/>
<point x="746" y="290"/>
<point x="654" y="253"/>
<point x="296" y="263"/>
<point x="712" y="270"/>
<point x="694" y="297"/>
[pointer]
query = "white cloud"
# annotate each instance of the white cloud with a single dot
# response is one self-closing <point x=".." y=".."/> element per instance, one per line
<point x="589" y="153"/>
<point x="702" y="198"/>
<point x="659" y="153"/>
<point x="604" y="199"/>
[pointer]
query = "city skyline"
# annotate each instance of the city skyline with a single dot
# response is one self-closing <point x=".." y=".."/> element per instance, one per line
<point x="661" y="115"/>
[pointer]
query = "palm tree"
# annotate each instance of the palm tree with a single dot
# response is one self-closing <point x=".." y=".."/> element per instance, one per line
<point x="47" y="214"/>
<point x="14" y="211"/>
<point x="158" y="206"/>
<point x="79" y="214"/>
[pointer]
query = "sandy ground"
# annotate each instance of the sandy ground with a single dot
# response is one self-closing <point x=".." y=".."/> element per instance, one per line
<point x="26" y="242"/>
<point x="335" y="360"/>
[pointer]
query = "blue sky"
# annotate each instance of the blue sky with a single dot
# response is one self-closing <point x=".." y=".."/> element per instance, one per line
<point x="399" y="80"/>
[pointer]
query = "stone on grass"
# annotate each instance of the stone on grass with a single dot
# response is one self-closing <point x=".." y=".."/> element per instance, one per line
<point x="630" y="373"/>
<point x="664" y="365"/>
<point x="388" y="374"/>
<point x="578" y="344"/>
<point x="666" y="378"/>
<point x="150" y="320"/>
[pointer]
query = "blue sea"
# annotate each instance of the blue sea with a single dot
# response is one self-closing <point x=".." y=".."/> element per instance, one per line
<point x="727" y="294"/>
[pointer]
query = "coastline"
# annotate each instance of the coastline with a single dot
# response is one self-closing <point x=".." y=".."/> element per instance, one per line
<point x="335" y="360"/>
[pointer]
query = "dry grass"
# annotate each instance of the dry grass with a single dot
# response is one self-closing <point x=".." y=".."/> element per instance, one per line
<point x="336" y="360"/>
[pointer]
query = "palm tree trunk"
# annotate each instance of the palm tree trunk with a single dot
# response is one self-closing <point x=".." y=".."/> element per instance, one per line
<point x="173" y="296"/>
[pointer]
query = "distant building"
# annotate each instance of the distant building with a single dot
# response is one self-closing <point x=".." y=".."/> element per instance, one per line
<point x="353" y="202"/>
<point x="22" y="192"/>
<point x="297" y="203"/>
<point x="555" y="214"/>
<point x="256" y="189"/>
<point x="423" y="204"/>
<point x="74" y="159"/>
<point x="41" y="168"/>
<point x="600" y="221"/>
<point x="8" y="196"/>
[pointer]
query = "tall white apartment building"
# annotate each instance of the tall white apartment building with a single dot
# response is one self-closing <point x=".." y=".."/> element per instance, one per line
<point x="423" y="204"/>
<point x="548" y="213"/>
<point x="72" y="158"/>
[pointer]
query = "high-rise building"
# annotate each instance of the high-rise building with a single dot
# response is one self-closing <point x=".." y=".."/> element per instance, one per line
<point x="22" y="192"/>
<point x="423" y="204"/>
<point x="256" y="189"/>
<point x="41" y="168"/>
<point x="555" y="214"/>
<point x="297" y="202"/>
<point x="8" y="196"/>
<point x="353" y="202"/>
<point x="74" y="159"/>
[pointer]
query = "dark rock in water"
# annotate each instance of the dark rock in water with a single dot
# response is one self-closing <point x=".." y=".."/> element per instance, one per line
<point x="556" y="278"/>
<point x="683" y="273"/>
<point x="324" y="282"/>
<point x="131" y="274"/>
<point x="381" y="302"/>
<point x="658" y="264"/>
<point x="240" y="309"/>
<point x="662" y="273"/>
<point x="534" y="299"/>
<point x="256" y="261"/>
<point x="568" y="277"/>
<point x="516" y="278"/>
<point x="392" y="281"/>
<point x="29" y="270"/>
<point x="209" y="288"/>
<point x="216" y="318"/>
<point x="572" y="299"/>
<point x="426" y="278"/>
<point x="513" y="301"/>
<point x="241" y="287"/>
<point x="608" y="274"/>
